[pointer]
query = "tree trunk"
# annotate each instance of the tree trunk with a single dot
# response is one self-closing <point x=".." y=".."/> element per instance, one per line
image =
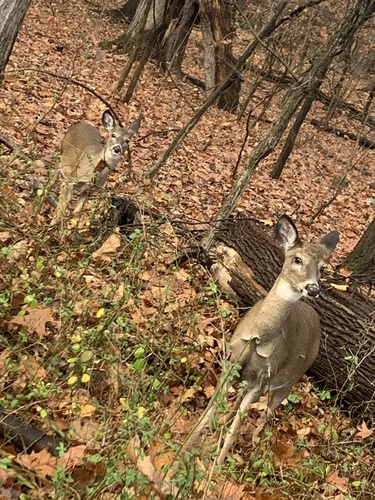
<point x="143" y="30"/>
<point x="125" y="11"/>
<point x="263" y="33"/>
<point x="292" y="136"/>
<point x="177" y="36"/>
<point x="143" y="39"/>
<point x="12" y="14"/>
<point x="362" y="259"/>
<point x="248" y="261"/>
<point x="217" y="29"/>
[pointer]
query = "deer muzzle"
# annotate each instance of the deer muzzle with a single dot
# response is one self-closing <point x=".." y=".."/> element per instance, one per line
<point x="313" y="290"/>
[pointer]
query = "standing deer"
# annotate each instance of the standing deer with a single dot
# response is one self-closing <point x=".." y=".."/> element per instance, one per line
<point x="86" y="163"/>
<point x="278" y="339"/>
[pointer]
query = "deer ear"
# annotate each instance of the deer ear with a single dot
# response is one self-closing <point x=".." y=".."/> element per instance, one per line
<point x="329" y="241"/>
<point x="108" y="120"/>
<point x="286" y="232"/>
<point x="135" y="126"/>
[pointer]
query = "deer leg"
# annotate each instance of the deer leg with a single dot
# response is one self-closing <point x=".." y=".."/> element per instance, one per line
<point x="82" y="200"/>
<point x="250" y="397"/>
<point x="66" y="194"/>
<point x="102" y="177"/>
<point x="279" y="394"/>
<point x="207" y="414"/>
<point x="203" y="421"/>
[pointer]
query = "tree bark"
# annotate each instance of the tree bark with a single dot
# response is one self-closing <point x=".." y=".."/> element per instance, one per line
<point x="361" y="261"/>
<point x="248" y="261"/>
<point x="217" y="29"/>
<point x="177" y="36"/>
<point x="12" y="14"/>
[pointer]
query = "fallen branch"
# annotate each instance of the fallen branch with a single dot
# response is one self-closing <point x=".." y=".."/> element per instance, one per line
<point x="25" y="437"/>
<point x="342" y="133"/>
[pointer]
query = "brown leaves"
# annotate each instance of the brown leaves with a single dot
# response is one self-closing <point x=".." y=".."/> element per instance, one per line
<point x="108" y="250"/>
<point x="341" y="483"/>
<point x="146" y="466"/>
<point x="35" y="320"/>
<point x="364" y="432"/>
<point x="44" y="464"/>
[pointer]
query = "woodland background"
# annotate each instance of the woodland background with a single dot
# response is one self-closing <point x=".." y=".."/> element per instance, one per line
<point x="107" y="346"/>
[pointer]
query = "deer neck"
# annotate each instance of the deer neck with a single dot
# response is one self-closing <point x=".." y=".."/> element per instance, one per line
<point x="278" y="303"/>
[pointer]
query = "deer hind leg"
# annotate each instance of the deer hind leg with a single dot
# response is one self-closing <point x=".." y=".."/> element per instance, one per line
<point x="66" y="194"/>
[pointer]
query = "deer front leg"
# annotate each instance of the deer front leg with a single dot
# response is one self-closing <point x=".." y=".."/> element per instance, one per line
<point x="66" y="194"/>
<point x="255" y="390"/>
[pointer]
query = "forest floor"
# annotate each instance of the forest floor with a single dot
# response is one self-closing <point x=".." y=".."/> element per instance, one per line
<point x="106" y="345"/>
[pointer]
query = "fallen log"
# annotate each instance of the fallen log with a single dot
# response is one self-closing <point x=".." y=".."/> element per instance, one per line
<point x="26" y="437"/>
<point x="247" y="262"/>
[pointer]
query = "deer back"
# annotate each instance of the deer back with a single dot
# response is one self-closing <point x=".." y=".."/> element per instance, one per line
<point x="81" y="151"/>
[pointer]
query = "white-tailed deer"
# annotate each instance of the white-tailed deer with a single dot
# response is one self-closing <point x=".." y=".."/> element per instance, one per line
<point x="86" y="163"/>
<point x="277" y="341"/>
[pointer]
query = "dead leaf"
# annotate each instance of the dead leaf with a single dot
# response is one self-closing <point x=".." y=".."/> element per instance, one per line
<point x="267" y="222"/>
<point x="4" y="236"/>
<point x="18" y="249"/>
<point x="62" y="256"/>
<point x="209" y="390"/>
<point x="340" y="288"/>
<point x="232" y="491"/>
<point x="161" y="456"/>
<point x="188" y="394"/>
<point x="304" y="432"/>
<point x="364" y="431"/>
<point x="42" y="463"/>
<point x="34" y="320"/>
<point x="345" y="272"/>
<point x="84" y="429"/>
<point x="72" y="457"/>
<point x="108" y="249"/>
<point x="132" y="450"/>
<point x="341" y="483"/>
<point x="87" y="410"/>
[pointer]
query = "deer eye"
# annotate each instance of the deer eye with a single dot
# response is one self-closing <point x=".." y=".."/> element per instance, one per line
<point x="114" y="136"/>
<point x="297" y="260"/>
<point x="322" y="268"/>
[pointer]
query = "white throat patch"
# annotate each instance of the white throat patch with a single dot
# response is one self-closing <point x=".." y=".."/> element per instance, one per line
<point x="286" y="292"/>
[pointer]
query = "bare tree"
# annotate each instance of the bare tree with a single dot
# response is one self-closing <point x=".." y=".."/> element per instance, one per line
<point x="303" y="91"/>
<point x="217" y="28"/>
<point x="12" y="14"/>
<point x="361" y="261"/>
<point x="160" y="30"/>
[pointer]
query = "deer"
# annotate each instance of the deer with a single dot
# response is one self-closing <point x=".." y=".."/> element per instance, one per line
<point x="278" y="339"/>
<point x="86" y="163"/>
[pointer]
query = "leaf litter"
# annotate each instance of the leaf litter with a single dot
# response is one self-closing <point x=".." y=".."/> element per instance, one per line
<point x="206" y="160"/>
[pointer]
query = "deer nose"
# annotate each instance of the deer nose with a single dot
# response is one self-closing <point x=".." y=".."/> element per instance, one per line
<point x="313" y="290"/>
